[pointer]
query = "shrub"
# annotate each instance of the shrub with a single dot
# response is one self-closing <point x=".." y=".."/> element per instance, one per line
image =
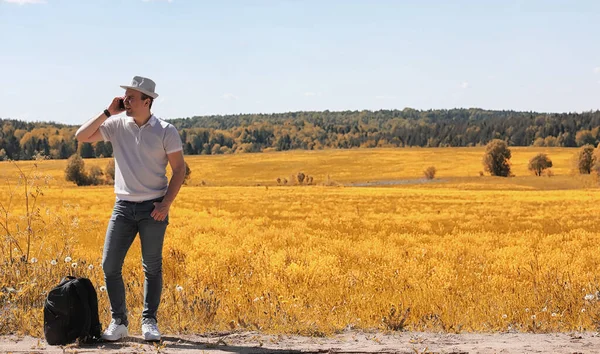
<point x="429" y="172"/>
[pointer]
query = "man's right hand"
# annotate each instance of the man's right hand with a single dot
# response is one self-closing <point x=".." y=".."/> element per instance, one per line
<point x="114" y="106"/>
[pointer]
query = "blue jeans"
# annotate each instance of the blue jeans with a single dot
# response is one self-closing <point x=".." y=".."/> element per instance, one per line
<point x="129" y="218"/>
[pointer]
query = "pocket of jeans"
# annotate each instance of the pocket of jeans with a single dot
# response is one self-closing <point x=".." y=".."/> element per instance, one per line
<point x="165" y="221"/>
<point x="118" y="211"/>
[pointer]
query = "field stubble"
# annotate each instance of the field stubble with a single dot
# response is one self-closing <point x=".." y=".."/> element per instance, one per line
<point x="469" y="254"/>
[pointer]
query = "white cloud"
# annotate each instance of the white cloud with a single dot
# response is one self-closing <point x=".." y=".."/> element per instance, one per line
<point x="464" y="85"/>
<point x="23" y="2"/>
<point x="229" y="96"/>
<point x="597" y="70"/>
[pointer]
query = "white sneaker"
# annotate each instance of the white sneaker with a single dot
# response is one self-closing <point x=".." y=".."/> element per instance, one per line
<point x="115" y="331"/>
<point x="150" y="329"/>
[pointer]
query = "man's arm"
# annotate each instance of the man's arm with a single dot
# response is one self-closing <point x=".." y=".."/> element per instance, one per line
<point x="89" y="132"/>
<point x="178" y="166"/>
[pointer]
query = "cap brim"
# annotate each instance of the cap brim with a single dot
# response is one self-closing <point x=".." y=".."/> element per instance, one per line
<point x="151" y="94"/>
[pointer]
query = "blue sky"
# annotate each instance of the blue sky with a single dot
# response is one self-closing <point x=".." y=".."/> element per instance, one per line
<point x="63" y="60"/>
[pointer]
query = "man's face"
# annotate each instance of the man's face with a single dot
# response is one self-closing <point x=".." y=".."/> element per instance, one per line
<point x="134" y="105"/>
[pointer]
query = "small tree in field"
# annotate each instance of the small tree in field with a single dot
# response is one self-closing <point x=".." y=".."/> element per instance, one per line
<point x="95" y="176"/>
<point x="109" y="171"/>
<point x="496" y="159"/>
<point x="586" y="159"/>
<point x="75" y="170"/>
<point x="539" y="163"/>
<point x="188" y="172"/>
<point x="430" y="172"/>
<point x="596" y="161"/>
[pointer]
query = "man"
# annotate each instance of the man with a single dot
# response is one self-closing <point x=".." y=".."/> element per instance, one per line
<point x="142" y="147"/>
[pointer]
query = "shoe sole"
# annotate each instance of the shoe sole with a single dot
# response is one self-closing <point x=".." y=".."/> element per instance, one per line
<point x="151" y="338"/>
<point x="126" y="334"/>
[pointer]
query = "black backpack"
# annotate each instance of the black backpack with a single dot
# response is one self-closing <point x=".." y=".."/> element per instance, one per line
<point x="71" y="312"/>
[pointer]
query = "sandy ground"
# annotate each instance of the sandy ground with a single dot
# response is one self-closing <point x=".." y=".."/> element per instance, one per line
<point x="350" y="342"/>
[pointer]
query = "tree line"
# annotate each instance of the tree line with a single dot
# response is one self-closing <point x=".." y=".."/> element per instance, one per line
<point x="243" y="133"/>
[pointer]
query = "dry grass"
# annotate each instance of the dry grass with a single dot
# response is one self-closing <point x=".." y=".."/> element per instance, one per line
<point x="468" y="253"/>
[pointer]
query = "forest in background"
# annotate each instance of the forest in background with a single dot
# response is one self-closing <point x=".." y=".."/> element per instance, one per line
<point x="246" y="133"/>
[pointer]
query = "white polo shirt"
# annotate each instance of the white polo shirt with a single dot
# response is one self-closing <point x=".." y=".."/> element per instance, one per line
<point x="140" y="156"/>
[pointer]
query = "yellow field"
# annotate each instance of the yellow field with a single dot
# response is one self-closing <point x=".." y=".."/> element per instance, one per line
<point x="462" y="253"/>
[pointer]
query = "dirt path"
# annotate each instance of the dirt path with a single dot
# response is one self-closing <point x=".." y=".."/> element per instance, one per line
<point x="350" y="342"/>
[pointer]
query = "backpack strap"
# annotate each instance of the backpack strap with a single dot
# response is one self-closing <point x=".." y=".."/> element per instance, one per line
<point x="65" y="280"/>
<point x="83" y="294"/>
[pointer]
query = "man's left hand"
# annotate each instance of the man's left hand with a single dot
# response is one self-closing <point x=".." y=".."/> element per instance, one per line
<point x="161" y="210"/>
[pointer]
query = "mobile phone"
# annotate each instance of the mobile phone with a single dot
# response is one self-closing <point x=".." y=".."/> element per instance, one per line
<point x="121" y="104"/>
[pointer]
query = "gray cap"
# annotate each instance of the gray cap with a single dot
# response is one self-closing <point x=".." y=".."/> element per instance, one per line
<point x="142" y="84"/>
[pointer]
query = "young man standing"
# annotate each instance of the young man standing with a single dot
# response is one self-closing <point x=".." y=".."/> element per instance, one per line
<point x="142" y="147"/>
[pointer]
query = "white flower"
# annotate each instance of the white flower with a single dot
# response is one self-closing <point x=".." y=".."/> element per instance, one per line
<point x="504" y="316"/>
<point x="179" y="288"/>
<point x="589" y="297"/>
<point x="554" y="314"/>
<point x="533" y="317"/>
<point x="16" y="250"/>
<point x="526" y="310"/>
<point x="33" y="260"/>
<point x="68" y="259"/>
<point x="74" y="265"/>
<point x="103" y="288"/>
<point x="91" y="266"/>
<point x="582" y="310"/>
<point x="544" y="309"/>
<point x="53" y="262"/>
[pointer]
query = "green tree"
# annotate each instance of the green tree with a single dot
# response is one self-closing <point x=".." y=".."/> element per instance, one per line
<point x="585" y="137"/>
<point x="95" y="176"/>
<point x="585" y="159"/>
<point x="86" y="150"/>
<point x="109" y="171"/>
<point x="539" y="163"/>
<point x="496" y="159"/>
<point x="75" y="170"/>
<point x="188" y="172"/>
